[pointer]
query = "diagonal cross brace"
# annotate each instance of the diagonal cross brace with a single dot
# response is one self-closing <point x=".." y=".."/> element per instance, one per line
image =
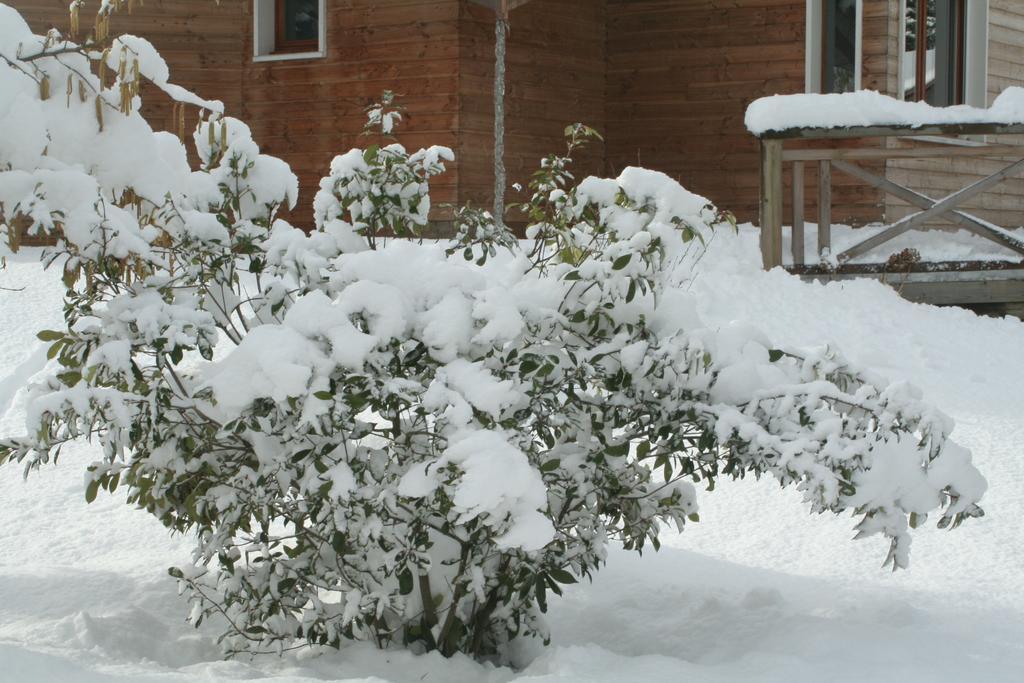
<point x="935" y="208"/>
<point x="965" y="220"/>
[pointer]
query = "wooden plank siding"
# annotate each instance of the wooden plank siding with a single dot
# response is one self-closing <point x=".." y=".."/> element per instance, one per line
<point x="681" y="74"/>
<point x="1002" y="205"/>
<point x="666" y="81"/>
<point x="555" y="76"/>
<point x="308" y="111"/>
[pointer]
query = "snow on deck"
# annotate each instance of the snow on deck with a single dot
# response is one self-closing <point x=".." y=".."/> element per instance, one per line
<point x="869" y="108"/>
<point x="933" y="246"/>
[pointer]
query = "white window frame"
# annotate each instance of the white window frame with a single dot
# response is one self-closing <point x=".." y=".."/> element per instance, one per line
<point x="263" y="18"/>
<point x="812" y="56"/>
<point x="975" y="52"/>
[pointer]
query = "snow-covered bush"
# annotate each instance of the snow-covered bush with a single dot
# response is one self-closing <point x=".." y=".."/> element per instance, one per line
<point x="406" y="442"/>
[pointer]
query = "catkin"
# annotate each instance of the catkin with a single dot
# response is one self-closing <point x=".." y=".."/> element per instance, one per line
<point x="103" y="68"/>
<point x="135" y="77"/>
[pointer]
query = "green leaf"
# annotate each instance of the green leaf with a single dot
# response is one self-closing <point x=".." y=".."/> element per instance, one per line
<point x="55" y="349"/>
<point x="550" y="465"/>
<point x="50" y="335"/>
<point x="562" y="576"/>
<point x="91" y="490"/>
<point x="775" y="355"/>
<point x="70" y="378"/>
<point x="693" y="517"/>
<point x="338" y="542"/>
<point x="405" y="582"/>
<point x="324" y="395"/>
<point x="618" y="451"/>
<point x="622" y="262"/>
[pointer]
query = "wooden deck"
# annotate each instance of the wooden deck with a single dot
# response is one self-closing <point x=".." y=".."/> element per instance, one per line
<point x="948" y="282"/>
<point x="941" y="283"/>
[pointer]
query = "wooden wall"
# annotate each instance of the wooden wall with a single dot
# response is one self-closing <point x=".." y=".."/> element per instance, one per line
<point x="308" y="111"/>
<point x="1004" y="205"/>
<point x="681" y="74"/>
<point x="555" y="76"/>
<point x="199" y="39"/>
<point x="666" y="81"/>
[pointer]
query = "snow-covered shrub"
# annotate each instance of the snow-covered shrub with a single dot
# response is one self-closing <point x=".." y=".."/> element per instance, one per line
<point x="405" y="442"/>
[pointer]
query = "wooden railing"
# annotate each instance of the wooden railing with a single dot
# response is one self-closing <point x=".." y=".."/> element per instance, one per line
<point x="774" y="155"/>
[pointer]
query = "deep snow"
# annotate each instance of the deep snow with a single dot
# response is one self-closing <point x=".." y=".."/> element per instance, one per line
<point x="757" y="591"/>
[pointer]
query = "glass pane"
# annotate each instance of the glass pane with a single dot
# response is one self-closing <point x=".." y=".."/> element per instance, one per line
<point x="840" y="44"/>
<point x="938" y="71"/>
<point x="301" y="20"/>
<point x="910" y="51"/>
<point x="943" y="36"/>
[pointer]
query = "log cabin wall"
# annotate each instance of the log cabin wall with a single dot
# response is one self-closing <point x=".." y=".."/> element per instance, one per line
<point x="199" y="39"/>
<point x="681" y="74"/>
<point x="940" y="177"/>
<point x="555" y="76"/>
<point x="308" y="111"/>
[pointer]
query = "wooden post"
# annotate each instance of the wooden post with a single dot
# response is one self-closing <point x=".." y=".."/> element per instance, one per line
<point x="771" y="203"/>
<point x="798" y="213"/>
<point x="824" y="206"/>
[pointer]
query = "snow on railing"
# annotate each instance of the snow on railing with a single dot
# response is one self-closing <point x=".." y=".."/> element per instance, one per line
<point x="868" y="114"/>
<point x="866" y="108"/>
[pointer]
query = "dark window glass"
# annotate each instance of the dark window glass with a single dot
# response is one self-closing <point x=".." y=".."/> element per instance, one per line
<point x="839" y="46"/>
<point x="933" y="51"/>
<point x="300" y="20"/>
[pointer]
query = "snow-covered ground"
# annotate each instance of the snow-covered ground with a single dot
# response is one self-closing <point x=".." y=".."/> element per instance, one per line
<point x="758" y="591"/>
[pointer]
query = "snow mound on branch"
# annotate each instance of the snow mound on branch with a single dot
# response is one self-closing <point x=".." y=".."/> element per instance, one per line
<point x="497" y="482"/>
<point x="151" y="65"/>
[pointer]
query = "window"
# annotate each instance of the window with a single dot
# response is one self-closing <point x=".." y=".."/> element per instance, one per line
<point x="834" y="45"/>
<point x="839" y="46"/>
<point x="944" y="51"/>
<point x="933" y="51"/>
<point x="297" y="28"/>
<point x="288" y="29"/>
